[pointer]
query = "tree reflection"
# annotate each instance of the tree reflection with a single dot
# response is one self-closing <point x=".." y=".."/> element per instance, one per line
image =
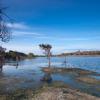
<point x="17" y="61"/>
<point x="47" y="78"/>
<point x="65" y="60"/>
<point x="1" y="67"/>
<point x="17" y="64"/>
<point x="1" y="63"/>
<point x="2" y="57"/>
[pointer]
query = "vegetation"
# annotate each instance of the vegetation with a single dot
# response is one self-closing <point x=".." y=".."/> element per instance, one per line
<point x="4" y="29"/>
<point x="4" y="33"/>
<point x="13" y="55"/>
<point x="47" y="51"/>
<point x="31" y="55"/>
<point x="2" y="54"/>
<point x="81" y="53"/>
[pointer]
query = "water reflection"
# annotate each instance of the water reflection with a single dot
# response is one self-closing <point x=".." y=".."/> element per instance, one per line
<point x="27" y="73"/>
<point x="47" y="78"/>
<point x="1" y="63"/>
<point x="65" y="62"/>
<point x="1" y="67"/>
<point x="17" y="64"/>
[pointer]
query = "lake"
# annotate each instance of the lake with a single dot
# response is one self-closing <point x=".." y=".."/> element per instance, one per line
<point x="28" y="73"/>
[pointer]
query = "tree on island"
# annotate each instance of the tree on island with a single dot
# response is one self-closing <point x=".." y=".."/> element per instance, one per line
<point x="47" y="51"/>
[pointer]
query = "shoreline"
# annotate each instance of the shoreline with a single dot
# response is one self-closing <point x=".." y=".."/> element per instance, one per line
<point x="56" y="91"/>
<point x="56" y="87"/>
<point x="79" y="71"/>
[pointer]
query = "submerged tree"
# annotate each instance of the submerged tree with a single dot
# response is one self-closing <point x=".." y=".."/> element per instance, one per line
<point x="47" y="51"/>
<point x="65" y="61"/>
<point x="2" y="55"/>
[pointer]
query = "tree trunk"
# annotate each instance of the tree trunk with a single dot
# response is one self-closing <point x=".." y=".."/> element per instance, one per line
<point x="1" y="62"/>
<point x="65" y="61"/>
<point x="49" y="61"/>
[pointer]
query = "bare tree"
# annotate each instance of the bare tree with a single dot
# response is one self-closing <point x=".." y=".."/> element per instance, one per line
<point x="5" y="33"/>
<point x="2" y="55"/>
<point x="4" y="29"/>
<point x="47" y="51"/>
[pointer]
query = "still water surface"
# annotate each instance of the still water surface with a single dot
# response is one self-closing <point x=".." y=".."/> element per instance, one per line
<point x="28" y="73"/>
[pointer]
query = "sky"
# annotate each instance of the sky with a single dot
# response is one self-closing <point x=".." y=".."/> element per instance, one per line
<point x="67" y="25"/>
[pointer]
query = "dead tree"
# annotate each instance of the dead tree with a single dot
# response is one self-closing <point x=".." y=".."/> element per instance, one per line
<point x="47" y="51"/>
<point x="2" y="57"/>
<point x="5" y="32"/>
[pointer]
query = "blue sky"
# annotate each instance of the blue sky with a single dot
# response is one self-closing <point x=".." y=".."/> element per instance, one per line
<point x="66" y="24"/>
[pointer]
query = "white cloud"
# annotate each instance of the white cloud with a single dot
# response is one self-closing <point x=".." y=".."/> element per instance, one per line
<point x="23" y="29"/>
<point x="31" y="47"/>
<point x="18" y="26"/>
<point x="62" y="44"/>
<point x="23" y="48"/>
<point x="20" y="29"/>
<point x="70" y="38"/>
<point x="20" y="33"/>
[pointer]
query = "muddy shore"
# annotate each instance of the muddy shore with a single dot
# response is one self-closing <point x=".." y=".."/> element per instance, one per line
<point x="57" y="90"/>
<point x="78" y="71"/>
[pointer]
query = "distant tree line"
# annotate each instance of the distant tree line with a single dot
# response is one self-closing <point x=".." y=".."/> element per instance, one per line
<point x="31" y="55"/>
<point x="14" y="55"/>
<point x="82" y="53"/>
